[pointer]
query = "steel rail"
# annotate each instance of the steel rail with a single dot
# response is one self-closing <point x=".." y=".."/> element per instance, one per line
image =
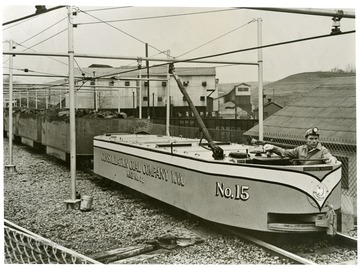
<point x="345" y="239"/>
<point x="278" y="251"/>
<point x="341" y="239"/>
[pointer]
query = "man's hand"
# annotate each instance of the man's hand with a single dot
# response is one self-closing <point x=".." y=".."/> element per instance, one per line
<point x="332" y="160"/>
<point x="268" y="147"/>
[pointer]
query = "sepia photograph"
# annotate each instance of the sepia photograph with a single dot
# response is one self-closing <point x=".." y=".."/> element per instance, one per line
<point x="179" y="133"/>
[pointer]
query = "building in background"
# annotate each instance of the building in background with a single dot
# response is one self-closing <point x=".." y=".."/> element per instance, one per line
<point x="269" y="109"/>
<point x="109" y="88"/>
<point x="235" y="103"/>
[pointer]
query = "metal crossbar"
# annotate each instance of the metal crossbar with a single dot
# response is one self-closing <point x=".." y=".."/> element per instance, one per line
<point x="24" y="247"/>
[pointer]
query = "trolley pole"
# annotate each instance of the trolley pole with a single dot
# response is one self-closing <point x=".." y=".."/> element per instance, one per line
<point x="72" y="202"/>
<point x="260" y="80"/>
<point x="10" y="167"/>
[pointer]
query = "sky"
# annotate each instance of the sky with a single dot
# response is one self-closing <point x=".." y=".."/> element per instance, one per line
<point x="125" y="28"/>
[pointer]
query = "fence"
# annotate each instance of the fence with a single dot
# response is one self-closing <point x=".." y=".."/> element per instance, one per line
<point x="24" y="247"/>
<point x="343" y="150"/>
<point x="210" y="122"/>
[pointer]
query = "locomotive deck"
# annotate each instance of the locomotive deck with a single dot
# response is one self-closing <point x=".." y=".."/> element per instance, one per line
<point x="246" y="189"/>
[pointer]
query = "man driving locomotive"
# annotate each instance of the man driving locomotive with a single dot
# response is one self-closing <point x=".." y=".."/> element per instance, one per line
<point x="311" y="153"/>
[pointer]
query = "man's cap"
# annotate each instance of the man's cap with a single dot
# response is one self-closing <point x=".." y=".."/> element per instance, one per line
<point x="312" y="131"/>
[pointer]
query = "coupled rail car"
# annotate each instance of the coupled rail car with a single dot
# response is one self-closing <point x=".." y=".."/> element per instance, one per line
<point x="246" y="188"/>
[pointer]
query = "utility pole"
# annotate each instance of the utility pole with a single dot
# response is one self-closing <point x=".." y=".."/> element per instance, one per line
<point x="10" y="167"/>
<point x="72" y="202"/>
<point x="260" y="79"/>
<point x="148" y="81"/>
<point x="140" y="88"/>
<point x="168" y="102"/>
<point x="95" y="93"/>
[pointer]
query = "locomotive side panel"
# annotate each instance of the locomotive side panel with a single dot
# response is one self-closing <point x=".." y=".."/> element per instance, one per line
<point x="235" y="201"/>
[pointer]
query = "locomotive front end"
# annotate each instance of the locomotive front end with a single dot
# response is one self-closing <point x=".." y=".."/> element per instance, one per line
<point x="317" y="210"/>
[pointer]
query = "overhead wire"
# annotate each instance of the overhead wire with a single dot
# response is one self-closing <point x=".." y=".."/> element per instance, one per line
<point x="213" y="55"/>
<point x="162" y="16"/>
<point x="109" y="8"/>
<point x="48" y="38"/>
<point x="32" y="71"/>
<point x="82" y="72"/>
<point x="269" y="45"/>
<point x="232" y="52"/>
<point x="33" y="15"/>
<point x="183" y="14"/>
<point x="17" y="24"/>
<point x="160" y="52"/>
<point x="219" y="54"/>
<point x="116" y="28"/>
<point x="236" y="51"/>
<point x="27" y="48"/>
<point x="253" y="20"/>
<point x="43" y="31"/>
<point x="36" y="73"/>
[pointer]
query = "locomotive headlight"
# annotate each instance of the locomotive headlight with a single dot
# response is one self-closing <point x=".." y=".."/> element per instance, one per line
<point x="320" y="192"/>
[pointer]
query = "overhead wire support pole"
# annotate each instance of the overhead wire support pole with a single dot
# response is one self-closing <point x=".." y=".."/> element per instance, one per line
<point x="168" y="102"/>
<point x="73" y="202"/>
<point x="260" y="80"/>
<point x="139" y="61"/>
<point x="140" y="95"/>
<point x="10" y="167"/>
<point x="148" y="83"/>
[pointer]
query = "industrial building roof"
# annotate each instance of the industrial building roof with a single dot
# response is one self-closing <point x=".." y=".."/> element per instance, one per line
<point x="331" y="107"/>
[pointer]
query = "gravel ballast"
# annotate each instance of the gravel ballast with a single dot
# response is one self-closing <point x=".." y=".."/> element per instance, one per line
<point x="34" y="199"/>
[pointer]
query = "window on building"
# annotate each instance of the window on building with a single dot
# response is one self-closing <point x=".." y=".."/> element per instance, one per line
<point x="92" y="83"/>
<point x="344" y="171"/>
<point x="160" y="99"/>
<point x="127" y="83"/>
<point x="242" y="89"/>
<point x="145" y="98"/>
<point x="111" y="83"/>
<point x="202" y="98"/>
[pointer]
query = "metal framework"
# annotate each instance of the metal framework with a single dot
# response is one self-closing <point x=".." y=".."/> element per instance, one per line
<point x="73" y="202"/>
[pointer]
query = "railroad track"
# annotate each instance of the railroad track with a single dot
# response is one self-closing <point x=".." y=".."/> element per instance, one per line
<point x="341" y="248"/>
<point x="326" y="245"/>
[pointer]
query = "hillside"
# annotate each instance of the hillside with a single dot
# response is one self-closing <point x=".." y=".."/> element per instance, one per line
<point x="328" y="102"/>
<point x="289" y="89"/>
